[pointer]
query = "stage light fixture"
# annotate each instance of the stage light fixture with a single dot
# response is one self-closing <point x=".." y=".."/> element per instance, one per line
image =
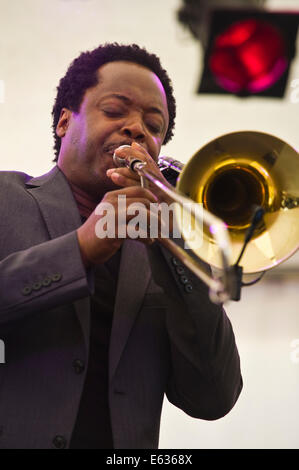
<point x="247" y="51"/>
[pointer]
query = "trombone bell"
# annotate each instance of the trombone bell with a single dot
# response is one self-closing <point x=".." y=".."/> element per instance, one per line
<point x="232" y="175"/>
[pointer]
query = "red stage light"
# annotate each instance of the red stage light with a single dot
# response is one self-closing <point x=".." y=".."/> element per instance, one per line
<point x="249" y="56"/>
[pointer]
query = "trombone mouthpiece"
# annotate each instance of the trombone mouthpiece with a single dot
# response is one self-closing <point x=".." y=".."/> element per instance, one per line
<point x="128" y="162"/>
<point x="120" y="161"/>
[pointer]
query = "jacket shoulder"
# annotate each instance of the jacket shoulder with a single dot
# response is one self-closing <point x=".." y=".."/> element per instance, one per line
<point x="13" y="178"/>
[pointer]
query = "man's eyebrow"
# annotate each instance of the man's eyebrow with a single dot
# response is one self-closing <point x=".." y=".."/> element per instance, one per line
<point x="128" y="101"/>
<point x="123" y="98"/>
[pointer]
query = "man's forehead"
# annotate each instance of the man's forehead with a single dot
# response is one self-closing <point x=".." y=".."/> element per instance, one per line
<point x="128" y="76"/>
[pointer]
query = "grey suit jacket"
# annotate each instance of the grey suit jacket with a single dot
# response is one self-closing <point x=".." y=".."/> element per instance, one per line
<point x="166" y="338"/>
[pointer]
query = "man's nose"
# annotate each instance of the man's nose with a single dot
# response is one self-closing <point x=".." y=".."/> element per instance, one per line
<point x="134" y="129"/>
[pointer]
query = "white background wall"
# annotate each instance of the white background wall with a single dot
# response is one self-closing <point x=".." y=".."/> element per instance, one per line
<point x="38" y="40"/>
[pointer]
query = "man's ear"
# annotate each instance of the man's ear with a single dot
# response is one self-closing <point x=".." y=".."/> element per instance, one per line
<point x="63" y="123"/>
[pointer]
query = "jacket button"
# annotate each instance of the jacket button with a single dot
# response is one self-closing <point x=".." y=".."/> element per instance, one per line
<point x="26" y="290"/>
<point x="59" y="442"/>
<point x="37" y="285"/>
<point x="47" y="281"/>
<point x="188" y="288"/>
<point x="78" y="366"/>
<point x="180" y="270"/>
<point x="56" y="277"/>
<point x="184" y="280"/>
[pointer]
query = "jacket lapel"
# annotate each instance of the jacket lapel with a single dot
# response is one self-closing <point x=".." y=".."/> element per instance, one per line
<point x="53" y="196"/>
<point x="133" y="278"/>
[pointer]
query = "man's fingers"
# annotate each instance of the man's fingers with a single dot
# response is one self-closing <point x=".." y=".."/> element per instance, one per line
<point x="134" y="151"/>
<point x="135" y="191"/>
<point x="124" y="177"/>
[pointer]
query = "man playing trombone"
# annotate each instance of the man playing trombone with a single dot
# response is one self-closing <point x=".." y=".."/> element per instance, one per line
<point x="98" y="330"/>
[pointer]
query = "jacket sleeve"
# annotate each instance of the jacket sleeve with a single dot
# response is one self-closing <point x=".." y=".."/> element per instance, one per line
<point x="42" y="277"/>
<point x="205" y="379"/>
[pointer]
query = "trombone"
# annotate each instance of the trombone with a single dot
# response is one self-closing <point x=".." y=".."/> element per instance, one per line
<point x="247" y="184"/>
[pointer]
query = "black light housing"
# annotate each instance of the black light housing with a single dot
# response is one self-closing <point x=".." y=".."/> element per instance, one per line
<point x="248" y="52"/>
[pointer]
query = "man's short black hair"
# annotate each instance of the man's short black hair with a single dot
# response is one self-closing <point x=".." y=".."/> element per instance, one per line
<point x="82" y="74"/>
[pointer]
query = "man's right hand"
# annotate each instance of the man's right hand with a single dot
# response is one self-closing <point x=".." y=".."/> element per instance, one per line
<point x="96" y="250"/>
